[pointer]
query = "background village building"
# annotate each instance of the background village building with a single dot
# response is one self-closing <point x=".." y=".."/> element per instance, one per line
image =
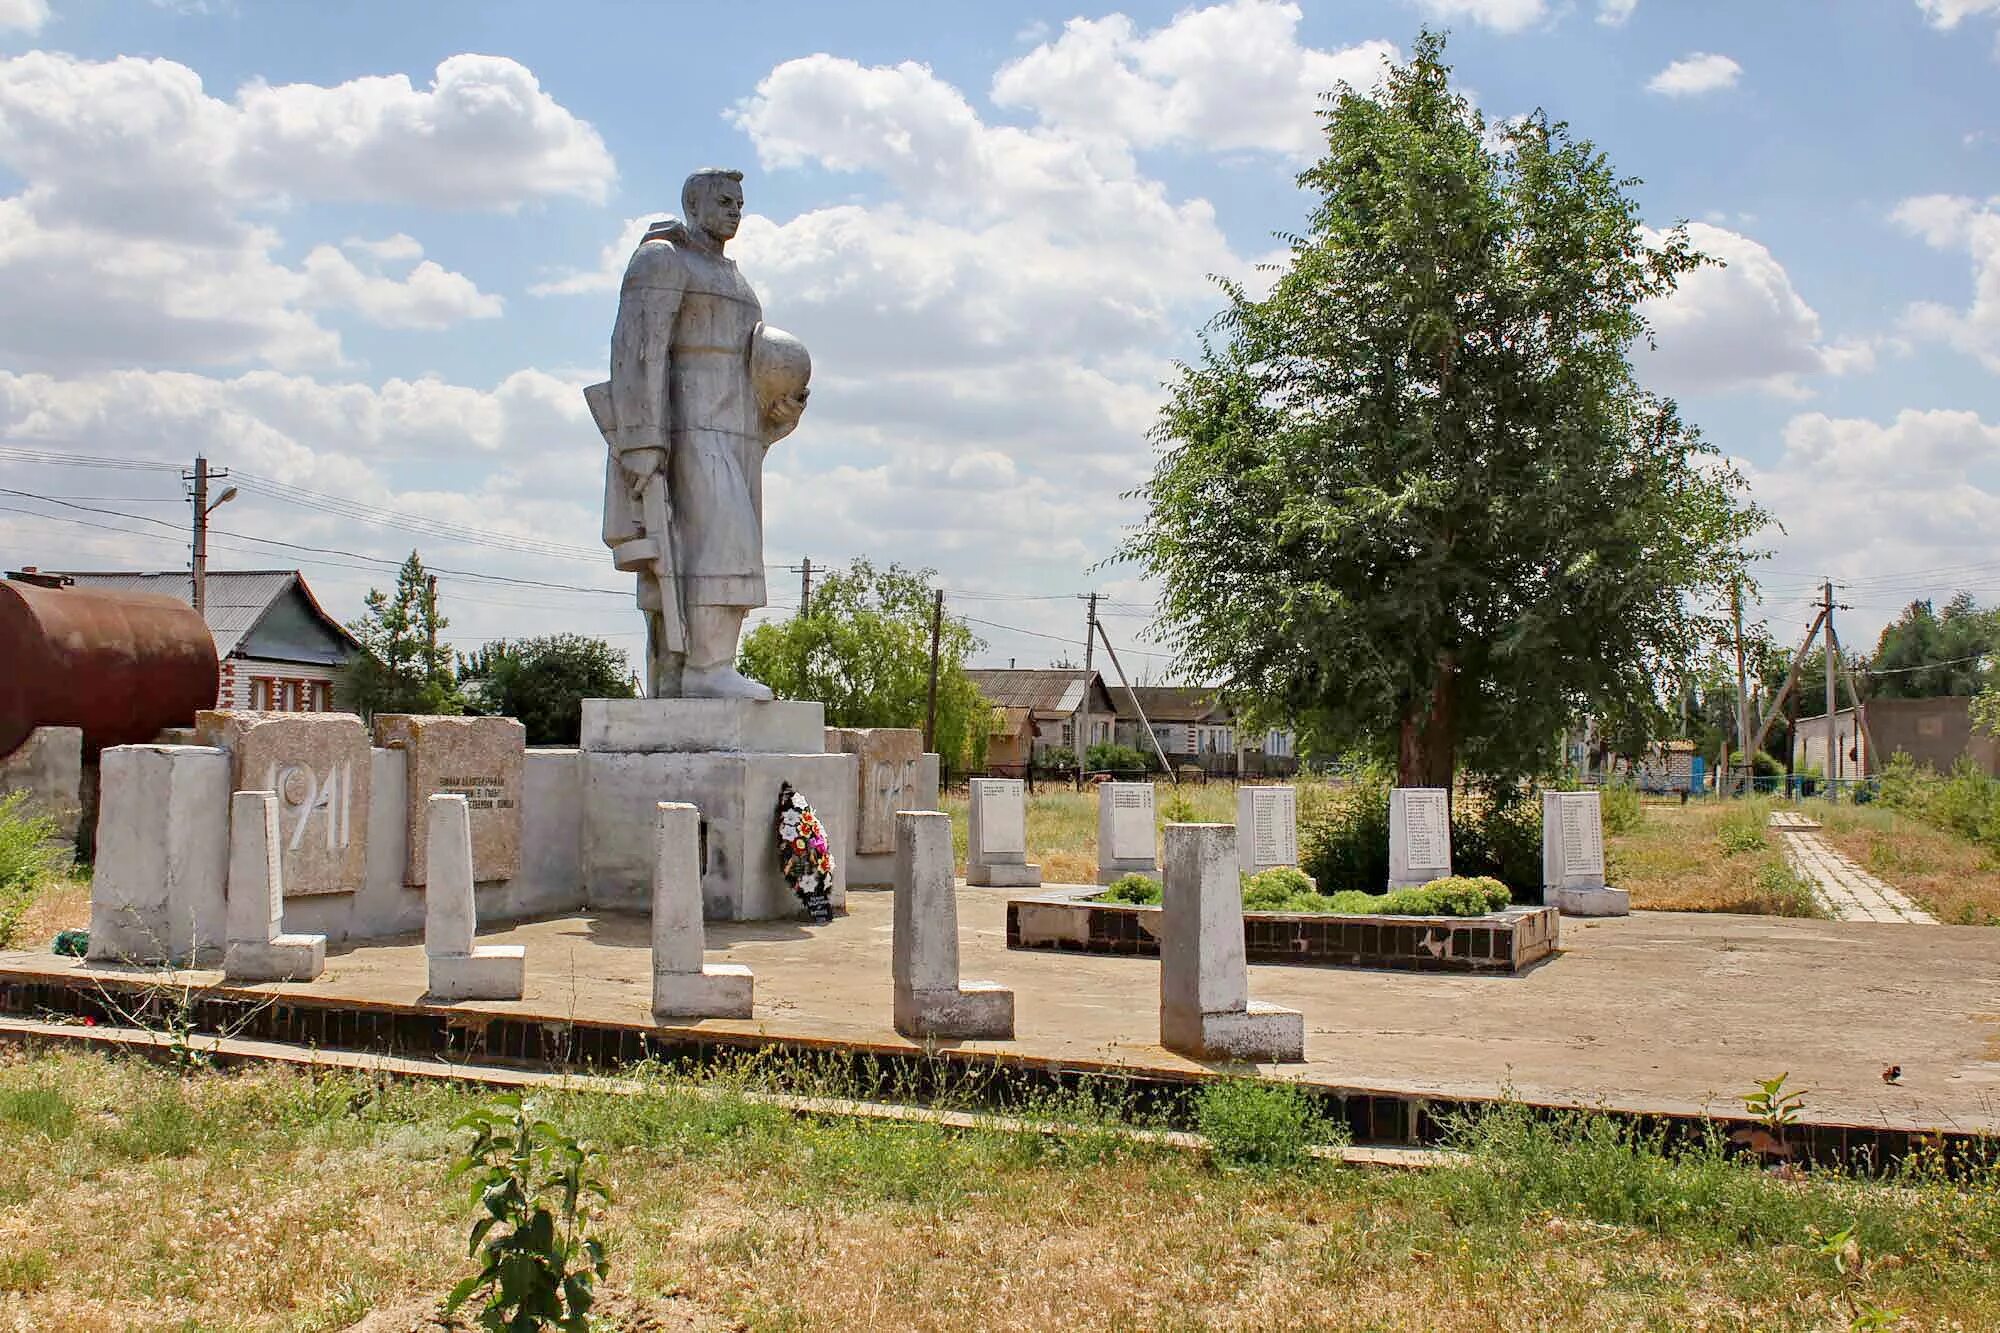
<point x="1036" y="710"/>
<point x="278" y="648"/>
<point x="1044" y="708"/>
<point x="1934" y="732"/>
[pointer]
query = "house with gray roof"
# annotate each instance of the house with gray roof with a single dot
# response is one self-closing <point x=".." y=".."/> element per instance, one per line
<point x="278" y="648"/>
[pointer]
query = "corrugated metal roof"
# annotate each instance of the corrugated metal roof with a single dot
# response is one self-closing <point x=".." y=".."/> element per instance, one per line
<point x="1172" y="703"/>
<point x="236" y="599"/>
<point x="1047" y="690"/>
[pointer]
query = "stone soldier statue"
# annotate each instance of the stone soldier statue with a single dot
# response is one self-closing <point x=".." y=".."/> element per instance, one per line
<point x="699" y="389"/>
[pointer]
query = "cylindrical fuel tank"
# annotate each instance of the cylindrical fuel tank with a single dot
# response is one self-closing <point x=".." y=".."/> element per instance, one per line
<point x="120" y="665"/>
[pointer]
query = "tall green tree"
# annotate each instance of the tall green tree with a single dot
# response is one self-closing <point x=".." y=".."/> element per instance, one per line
<point x="1414" y="497"/>
<point x="1923" y="654"/>
<point x="864" y="650"/>
<point x="543" y="682"/>
<point x="404" y="665"/>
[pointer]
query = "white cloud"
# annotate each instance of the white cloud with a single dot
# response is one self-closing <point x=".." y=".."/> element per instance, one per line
<point x="138" y="237"/>
<point x="398" y="246"/>
<point x="1740" y="325"/>
<point x="428" y="297"/>
<point x="1690" y="76"/>
<point x="1612" y="13"/>
<point x="1948" y="13"/>
<point x="1500" y="15"/>
<point x="1232" y="76"/>
<point x="1952" y="222"/>
<point x="1882" y="503"/>
<point x="23" y="15"/>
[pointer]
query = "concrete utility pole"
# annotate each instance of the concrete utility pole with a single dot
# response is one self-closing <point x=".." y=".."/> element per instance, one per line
<point x="1832" y="695"/>
<point x="1137" y="707"/>
<point x="805" y="571"/>
<point x="930" y="705"/>
<point x="1083" y="727"/>
<point x="200" y="477"/>
<point x="1742" y="688"/>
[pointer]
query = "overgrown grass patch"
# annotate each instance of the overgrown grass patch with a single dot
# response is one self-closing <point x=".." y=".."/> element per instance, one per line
<point x="1953" y="877"/>
<point x="303" y="1202"/>
<point x="1707" y="856"/>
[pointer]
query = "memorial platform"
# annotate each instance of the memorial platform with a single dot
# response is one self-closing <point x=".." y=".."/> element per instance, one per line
<point x="1658" y="1014"/>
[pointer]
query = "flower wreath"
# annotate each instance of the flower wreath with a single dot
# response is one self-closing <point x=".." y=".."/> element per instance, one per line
<point x="803" y="856"/>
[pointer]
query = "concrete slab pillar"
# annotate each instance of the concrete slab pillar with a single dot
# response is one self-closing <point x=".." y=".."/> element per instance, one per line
<point x="258" y="948"/>
<point x="459" y="969"/>
<point x="1205" y="1007"/>
<point x="931" y="1001"/>
<point x="159" y="890"/>
<point x="683" y="985"/>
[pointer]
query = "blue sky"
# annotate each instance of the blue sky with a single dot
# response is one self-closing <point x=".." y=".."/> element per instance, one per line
<point x="371" y="251"/>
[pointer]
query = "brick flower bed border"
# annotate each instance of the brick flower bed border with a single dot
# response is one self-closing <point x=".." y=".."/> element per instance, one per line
<point x="1504" y="941"/>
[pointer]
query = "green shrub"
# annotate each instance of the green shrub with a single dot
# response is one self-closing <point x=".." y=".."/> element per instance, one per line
<point x="31" y="850"/>
<point x="1142" y="890"/>
<point x="1457" y="895"/>
<point x="1262" y="1125"/>
<point x="1500" y="838"/>
<point x="536" y="1198"/>
<point x="1277" y="889"/>
<point x="1102" y="758"/>
<point x="1742" y="830"/>
<point x="1345" y="844"/>
<point x="1622" y="811"/>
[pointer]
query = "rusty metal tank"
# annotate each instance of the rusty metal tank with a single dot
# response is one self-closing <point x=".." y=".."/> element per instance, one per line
<point x="120" y="665"/>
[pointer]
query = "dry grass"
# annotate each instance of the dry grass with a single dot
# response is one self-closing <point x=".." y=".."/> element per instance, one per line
<point x="1683" y="858"/>
<point x="1062" y="823"/>
<point x="1956" y="880"/>
<point x="58" y="903"/>
<point x="262" y="1200"/>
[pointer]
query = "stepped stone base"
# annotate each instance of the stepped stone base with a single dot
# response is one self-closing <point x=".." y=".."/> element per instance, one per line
<point x="489" y="972"/>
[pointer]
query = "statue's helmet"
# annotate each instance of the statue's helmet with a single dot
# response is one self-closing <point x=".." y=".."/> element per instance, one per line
<point x="779" y="366"/>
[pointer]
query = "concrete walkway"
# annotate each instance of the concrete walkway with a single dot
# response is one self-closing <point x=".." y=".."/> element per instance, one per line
<point x="1842" y="887"/>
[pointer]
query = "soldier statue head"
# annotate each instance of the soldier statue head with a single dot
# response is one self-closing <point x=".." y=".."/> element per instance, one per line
<point x="712" y="201"/>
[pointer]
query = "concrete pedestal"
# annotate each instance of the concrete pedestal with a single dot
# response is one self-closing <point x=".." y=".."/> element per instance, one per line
<point x="1606" y="901"/>
<point x="727" y="757"/>
<point x="162" y="855"/>
<point x="683" y="985"/>
<point x="931" y="1001"/>
<point x="1205" y="1007"/>
<point x="457" y="968"/>
<point x="1019" y="875"/>
<point x="258" y="948"/>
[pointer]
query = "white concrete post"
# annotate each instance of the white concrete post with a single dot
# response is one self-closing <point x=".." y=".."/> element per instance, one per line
<point x="930" y="999"/>
<point x="459" y="969"/>
<point x="258" y="949"/>
<point x="1205" y="1007"/>
<point x="684" y="986"/>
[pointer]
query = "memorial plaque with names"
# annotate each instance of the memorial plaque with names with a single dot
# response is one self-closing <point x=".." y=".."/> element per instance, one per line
<point x="1132" y="826"/>
<point x="1003" y="818"/>
<point x="1427" y="831"/>
<point x="1582" y="831"/>
<point x="1272" y="835"/>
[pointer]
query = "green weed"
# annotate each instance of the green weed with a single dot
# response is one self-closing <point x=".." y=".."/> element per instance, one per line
<point x="1262" y="1125"/>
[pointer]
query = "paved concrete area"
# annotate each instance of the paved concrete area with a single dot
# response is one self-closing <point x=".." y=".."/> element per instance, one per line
<point x="1842" y="887"/>
<point x="1667" y="1012"/>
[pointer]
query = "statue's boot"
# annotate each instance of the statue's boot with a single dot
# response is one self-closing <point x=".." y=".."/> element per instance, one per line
<point x="721" y="682"/>
<point x="711" y="661"/>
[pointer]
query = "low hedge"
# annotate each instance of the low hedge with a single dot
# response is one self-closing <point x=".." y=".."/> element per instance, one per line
<point x="1288" y="890"/>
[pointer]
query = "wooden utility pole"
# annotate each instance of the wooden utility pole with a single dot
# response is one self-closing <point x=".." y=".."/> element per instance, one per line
<point x="200" y="477"/>
<point x="930" y="706"/>
<point x="1791" y="679"/>
<point x="805" y="586"/>
<point x="1861" y="727"/>
<point x="1083" y="728"/>
<point x="1137" y="707"/>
